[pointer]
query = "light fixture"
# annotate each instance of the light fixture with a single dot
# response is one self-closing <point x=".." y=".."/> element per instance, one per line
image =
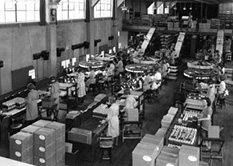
<point x="147" y="158"/>
<point x="191" y="8"/>
<point x="184" y="8"/>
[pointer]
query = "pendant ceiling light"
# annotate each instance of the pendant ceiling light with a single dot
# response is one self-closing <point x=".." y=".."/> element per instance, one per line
<point x="191" y="6"/>
<point x="184" y="8"/>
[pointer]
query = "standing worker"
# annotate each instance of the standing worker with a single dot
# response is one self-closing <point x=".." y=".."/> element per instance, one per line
<point x="32" y="107"/>
<point x="55" y="91"/>
<point x="81" y="86"/>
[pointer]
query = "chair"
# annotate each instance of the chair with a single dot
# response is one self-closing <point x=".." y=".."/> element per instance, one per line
<point x="106" y="145"/>
<point x="135" y="130"/>
<point x="216" y="143"/>
<point x="216" y="151"/>
<point x="16" y="125"/>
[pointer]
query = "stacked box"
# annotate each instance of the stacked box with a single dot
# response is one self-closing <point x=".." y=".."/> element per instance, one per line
<point x="161" y="132"/>
<point x="189" y="155"/>
<point x="155" y="140"/>
<point x="144" y="154"/>
<point x="44" y="147"/>
<point x="21" y="147"/>
<point x="172" y="110"/>
<point x="167" y="159"/>
<point x="80" y="135"/>
<point x="166" y="121"/>
<point x="170" y="151"/>
<point x="41" y="123"/>
<point x="59" y="129"/>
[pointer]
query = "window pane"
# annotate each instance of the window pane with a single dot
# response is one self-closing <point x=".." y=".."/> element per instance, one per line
<point x="71" y="15"/>
<point x="71" y="6"/>
<point x="21" y="6"/>
<point x="2" y="17"/>
<point x="30" y="16"/>
<point x="21" y="16"/>
<point x="64" y="6"/>
<point x="31" y="6"/>
<point x="10" y="16"/>
<point x="9" y="6"/>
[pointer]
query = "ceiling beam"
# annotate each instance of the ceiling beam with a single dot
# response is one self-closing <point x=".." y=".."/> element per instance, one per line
<point x="94" y="2"/>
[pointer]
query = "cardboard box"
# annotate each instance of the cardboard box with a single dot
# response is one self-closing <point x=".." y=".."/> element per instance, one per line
<point x="21" y="141"/>
<point x="172" y="110"/>
<point x="144" y="155"/>
<point x="41" y="123"/>
<point x="189" y="155"/>
<point x="155" y="140"/>
<point x="60" y="153"/>
<point x="60" y="142"/>
<point x="44" y="137"/>
<point x="132" y="114"/>
<point x="23" y="156"/>
<point x="161" y="132"/>
<point x="80" y="135"/>
<point x="170" y="151"/>
<point x="42" y="151"/>
<point x="166" y="121"/>
<point x="61" y="162"/>
<point x="166" y="159"/>
<point x="59" y="128"/>
<point x="30" y="129"/>
<point x="213" y="132"/>
<point x="48" y="102"/>
<point x="48" y="161"/>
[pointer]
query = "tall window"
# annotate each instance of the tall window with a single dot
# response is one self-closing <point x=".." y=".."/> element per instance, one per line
<point x="103" y="8"/>
<point x="14" y="11"/>
<point x="71" y="9"/>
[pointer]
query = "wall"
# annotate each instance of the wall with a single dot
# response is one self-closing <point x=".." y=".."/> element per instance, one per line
<point x="17" y="45"/>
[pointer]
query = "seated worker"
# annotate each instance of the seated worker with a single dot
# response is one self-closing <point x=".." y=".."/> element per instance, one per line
<point x="222" y="91"/>
<point x="119" y="66"/>
<point x="147" y="81"/>
<point x="32" y="106"/>
<point x="130" y="104"/>
<point x="165" y="69"/>
<point x="91" y="79"/>
<point x="139" y="83"/>
<point x="156" y="79"/>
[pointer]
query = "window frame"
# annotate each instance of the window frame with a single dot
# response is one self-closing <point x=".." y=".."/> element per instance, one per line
<point x="105" y="8"/>
<point x="15" y="10"/>
<point x="68" y="14"/>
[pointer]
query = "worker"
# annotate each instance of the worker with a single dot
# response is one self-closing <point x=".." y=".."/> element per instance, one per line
<point x="81" y="86"/>
<point x="113" y="122"/>
<point x="32" y="107"/>
<point x="55" y="91"/>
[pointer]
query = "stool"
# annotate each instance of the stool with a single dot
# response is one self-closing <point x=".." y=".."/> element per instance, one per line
<point x="16" y="126"/>
<point x="106" y="145"/>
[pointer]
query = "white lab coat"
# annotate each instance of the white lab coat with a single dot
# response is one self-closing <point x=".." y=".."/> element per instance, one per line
<point x="113" y="121"/>
<point x="32" y="107"/>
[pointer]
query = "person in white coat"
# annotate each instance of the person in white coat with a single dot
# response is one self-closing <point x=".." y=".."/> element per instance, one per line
<point x="113" y="121"/>
<point x="31" y="101"/>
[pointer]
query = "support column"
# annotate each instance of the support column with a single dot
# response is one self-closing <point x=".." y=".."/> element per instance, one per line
<point x="51" y="47"/>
